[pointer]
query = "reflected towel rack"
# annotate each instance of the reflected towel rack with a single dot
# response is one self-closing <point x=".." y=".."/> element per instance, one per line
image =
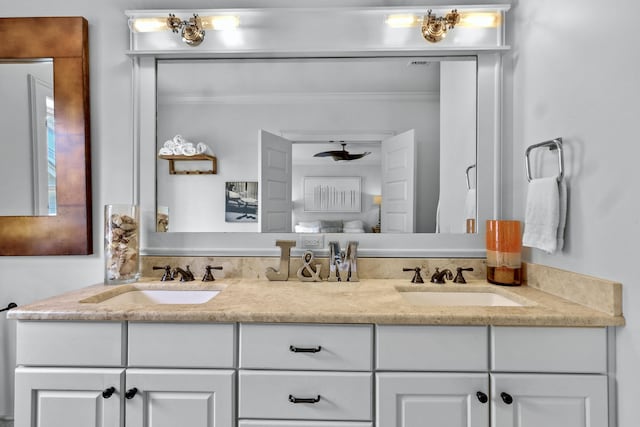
<point x="467" y="174"/>
<point x="553" y="144"/>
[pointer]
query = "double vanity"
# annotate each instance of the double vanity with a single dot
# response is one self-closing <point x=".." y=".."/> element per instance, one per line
<point x="248" y="352"/>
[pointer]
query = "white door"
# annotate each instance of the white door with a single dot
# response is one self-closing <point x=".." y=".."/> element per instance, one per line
<point x="69" y="397"/>
<point x="549" y="400"/>
<point x="179" y="397"/>
<point x="412" y="399"/>
<point x="275" y="183"/>
<point x="398" y="183"/>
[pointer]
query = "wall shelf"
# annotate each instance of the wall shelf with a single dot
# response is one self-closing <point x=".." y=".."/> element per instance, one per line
<point x="173" y="158"/>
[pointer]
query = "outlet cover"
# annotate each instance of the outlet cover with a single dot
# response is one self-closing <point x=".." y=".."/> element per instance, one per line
<point x="311" y="241"/>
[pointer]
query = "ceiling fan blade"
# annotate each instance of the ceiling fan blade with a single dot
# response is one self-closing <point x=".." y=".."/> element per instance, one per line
<point x="325" y="154"/>
<point x="357" y="156"/>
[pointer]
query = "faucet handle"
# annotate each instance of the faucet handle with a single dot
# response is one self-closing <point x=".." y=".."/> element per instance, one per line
<point x="208" y="275"/>
<point x="459" y="277"/>
<point x="417" y="278"/>
<point x="167" y="272"/>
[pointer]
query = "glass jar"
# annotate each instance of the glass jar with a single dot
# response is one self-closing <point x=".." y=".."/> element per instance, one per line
<point x="121" y="244"/>
<point x="504" y="252"/>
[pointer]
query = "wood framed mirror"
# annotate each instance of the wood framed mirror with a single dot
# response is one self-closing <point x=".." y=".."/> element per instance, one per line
<point x="64" y="41"/>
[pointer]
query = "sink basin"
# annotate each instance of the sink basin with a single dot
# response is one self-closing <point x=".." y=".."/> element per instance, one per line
<point x="162" y="296"/>
<point x="438" y="298"/>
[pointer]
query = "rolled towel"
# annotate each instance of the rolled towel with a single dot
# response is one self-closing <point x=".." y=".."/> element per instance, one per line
<point x="164" y="151"/>
<point x="545" y="215"/>
<point x="202" y="148"/>
<point x="470" y="204"/>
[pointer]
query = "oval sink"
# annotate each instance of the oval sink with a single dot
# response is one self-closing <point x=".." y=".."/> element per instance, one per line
<point x="435" y="298"/>
<point x="162" y="296"/>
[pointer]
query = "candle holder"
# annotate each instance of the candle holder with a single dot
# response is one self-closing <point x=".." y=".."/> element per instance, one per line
<point x="504" y="252"/>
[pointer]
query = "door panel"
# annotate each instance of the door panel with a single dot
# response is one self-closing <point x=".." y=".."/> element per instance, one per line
<point x="398" y="184"/>
<point x="69" y="397"/>
<point x="431" y="399"/>
<point x="180" y="397"/>
<point x="275" y="183"/>
<point x="549" y="400"/>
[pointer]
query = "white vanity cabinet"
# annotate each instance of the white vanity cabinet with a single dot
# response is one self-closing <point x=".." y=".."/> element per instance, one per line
<point x="305" y="375"/>
<point x="498" y="376"/>
<point x="70" y="397"/>
<point x="114" y="374"/>
<point x="552" y="377"/>
<point x="432" y="374"/>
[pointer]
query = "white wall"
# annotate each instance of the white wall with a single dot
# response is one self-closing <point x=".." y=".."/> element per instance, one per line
<point x="457" y="142"/>
<point x="577" y="78"/>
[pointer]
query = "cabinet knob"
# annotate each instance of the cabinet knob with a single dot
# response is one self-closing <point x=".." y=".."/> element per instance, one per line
<point x="130" y="393"/>
<point x="293" y="399"/>
<point x="108" y="392"/>
<point x="482" y="397"/>
<point x="506" y="398"/>
<point x="295" y="349"/>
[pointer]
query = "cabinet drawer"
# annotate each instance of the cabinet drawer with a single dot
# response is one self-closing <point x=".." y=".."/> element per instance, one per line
<point x="431" y="348"/>
<point x="319" y="347"/>
<point x="280" y="423"/>
<point x="73" y="343"/>
<point x="185" y="345"/>
<point x="522" y="349"/>
<point x="344" y="396"/>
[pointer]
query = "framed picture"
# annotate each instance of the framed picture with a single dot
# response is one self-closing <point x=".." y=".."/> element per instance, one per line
<point x="241" y="201"/>
<point x="332" y="194"/>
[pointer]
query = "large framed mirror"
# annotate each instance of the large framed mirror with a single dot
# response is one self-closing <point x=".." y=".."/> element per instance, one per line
<point x="46" y="173"/>
<point x="221" y="93"/>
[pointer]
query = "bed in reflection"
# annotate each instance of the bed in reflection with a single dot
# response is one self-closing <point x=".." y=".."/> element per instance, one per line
<point x="330" y="226"/>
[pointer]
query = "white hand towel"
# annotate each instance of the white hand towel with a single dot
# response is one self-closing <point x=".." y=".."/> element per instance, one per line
<point x="543" y="215"/>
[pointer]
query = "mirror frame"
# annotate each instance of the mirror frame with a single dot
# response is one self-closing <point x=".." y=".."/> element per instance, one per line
<point x="283" y="33"/>
<point x="371" y="244"/>
<point x="65" y="40"/>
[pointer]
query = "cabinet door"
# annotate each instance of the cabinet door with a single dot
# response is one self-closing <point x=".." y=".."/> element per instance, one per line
<point x="70" y="397"/>
<point x="432" y="399"/>
<point x="521" y="400"/>
<point x="179" y="397"/>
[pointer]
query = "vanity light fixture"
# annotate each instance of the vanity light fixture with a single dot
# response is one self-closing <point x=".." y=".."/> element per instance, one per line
<point x="434" y="28"/>
<point x="191" y="31"/>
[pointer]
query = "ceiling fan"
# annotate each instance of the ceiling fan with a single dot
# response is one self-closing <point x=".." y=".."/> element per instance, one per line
<point x="341" y="154"/>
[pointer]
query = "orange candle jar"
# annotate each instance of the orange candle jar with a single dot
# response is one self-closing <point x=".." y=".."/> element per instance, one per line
<point x="504" y="252"/>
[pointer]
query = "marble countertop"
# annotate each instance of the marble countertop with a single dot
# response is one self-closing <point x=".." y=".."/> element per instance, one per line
<point x="368" y="301"/>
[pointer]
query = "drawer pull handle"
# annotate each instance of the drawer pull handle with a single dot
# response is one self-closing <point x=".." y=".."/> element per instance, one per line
<point x="131" y="393"/>
<point x="293" y="399"/>
<point x="295" y="349"/>
<point x="482" y="397"/>
<point x="506" y="398"/>
<point x="108" y="392"/>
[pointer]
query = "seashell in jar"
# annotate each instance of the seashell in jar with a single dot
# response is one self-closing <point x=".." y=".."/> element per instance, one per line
<point x="128" y="227"/>
<point x="116" y="220"/>
<point x="126" y="219"/>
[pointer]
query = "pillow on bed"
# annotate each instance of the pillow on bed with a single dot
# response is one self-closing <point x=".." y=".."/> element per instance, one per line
<point x="331" y="226"/>
<point x="308" y="227"/>
<point x="356" y="224"/>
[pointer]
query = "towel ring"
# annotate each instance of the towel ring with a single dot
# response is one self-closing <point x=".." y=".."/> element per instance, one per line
<point x="467" y="174"/>
<point x="553" y="144"/>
